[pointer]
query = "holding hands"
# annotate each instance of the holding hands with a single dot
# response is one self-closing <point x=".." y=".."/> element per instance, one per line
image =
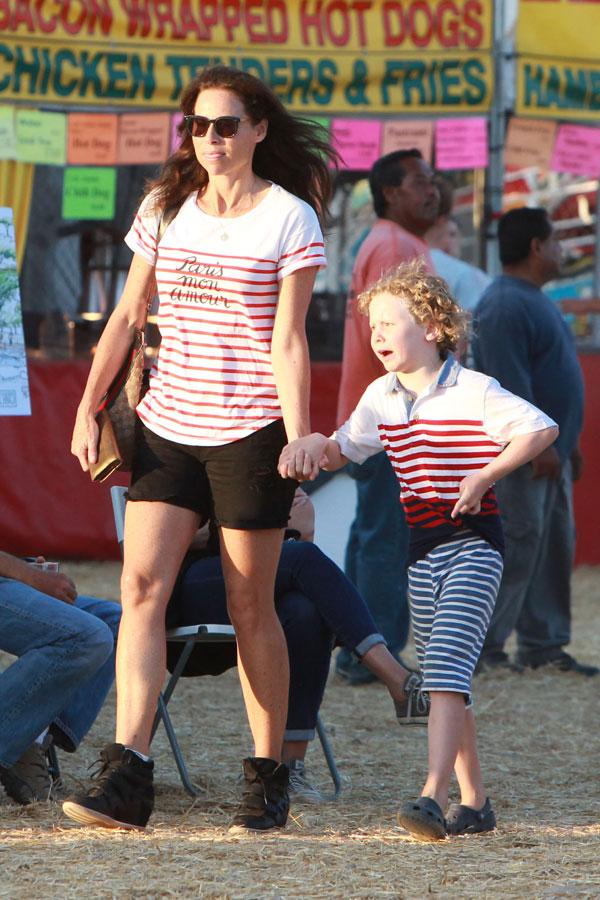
<point x="303" y="458"/>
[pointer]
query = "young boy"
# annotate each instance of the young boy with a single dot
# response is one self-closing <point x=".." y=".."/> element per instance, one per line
<point x="450" y="434"/>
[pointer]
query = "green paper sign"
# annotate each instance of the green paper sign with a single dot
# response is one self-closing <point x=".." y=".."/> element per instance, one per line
<point x="89" y="193"/>
<point x="8" y="147"/>
<point x="41" y="137"/>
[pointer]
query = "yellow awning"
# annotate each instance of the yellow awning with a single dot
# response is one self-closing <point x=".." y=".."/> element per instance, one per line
<point x="16" y="184"/>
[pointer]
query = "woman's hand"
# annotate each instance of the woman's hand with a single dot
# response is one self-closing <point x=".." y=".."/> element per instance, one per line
<point x="301" y="459"/>
<point x="470" y="492"/>
<point x="84" y="443"/>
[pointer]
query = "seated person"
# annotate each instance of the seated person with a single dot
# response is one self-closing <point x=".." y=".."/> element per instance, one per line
<point x="318" y="606"/>
<point x="65" y="667"/>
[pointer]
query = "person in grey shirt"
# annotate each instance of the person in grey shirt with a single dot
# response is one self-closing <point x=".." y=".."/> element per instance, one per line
<point x="520" y="338"/>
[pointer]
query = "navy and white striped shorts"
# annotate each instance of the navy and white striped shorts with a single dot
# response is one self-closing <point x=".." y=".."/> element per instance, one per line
<point x="452" y="592"/>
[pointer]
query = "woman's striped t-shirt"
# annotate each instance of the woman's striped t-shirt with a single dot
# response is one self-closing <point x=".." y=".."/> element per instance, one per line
<point x="456" y="426"/>
<point x="218" y="284"/>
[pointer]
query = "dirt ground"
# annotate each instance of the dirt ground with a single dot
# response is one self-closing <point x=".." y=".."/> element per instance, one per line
<point x="539" y="738"/>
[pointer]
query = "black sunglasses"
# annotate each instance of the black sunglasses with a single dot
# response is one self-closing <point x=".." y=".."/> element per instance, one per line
<point x="225" y="126"/>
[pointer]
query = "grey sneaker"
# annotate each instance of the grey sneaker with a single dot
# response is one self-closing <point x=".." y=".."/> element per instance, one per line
<point x="29" y="779"/>
<point x="299" y="787"/>
<point x="414" y="710"/>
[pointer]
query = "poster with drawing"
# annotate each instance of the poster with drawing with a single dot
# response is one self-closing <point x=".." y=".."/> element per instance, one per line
<point x="14" y="384"/>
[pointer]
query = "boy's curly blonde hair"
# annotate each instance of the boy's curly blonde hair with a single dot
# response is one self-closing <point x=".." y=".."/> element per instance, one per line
<point x="428" y="299"/>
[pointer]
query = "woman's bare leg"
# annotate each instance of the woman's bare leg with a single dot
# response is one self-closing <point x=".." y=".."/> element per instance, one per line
<point x="249" y="560"/>
<point x="467" y="768"/>
<point x="157" y="536"/>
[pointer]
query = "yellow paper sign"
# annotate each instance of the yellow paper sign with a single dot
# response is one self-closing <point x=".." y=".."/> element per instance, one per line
<point x="41" y="137"/>
<point x="92" y="139"/>
<point x="8" y="138"/>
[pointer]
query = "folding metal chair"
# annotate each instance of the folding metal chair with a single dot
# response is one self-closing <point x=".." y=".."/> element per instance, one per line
<point x="190" y="635"/>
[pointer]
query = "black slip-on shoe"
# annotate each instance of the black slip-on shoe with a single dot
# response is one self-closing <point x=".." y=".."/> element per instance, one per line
<point x="494" y="660"/>
<point x="423" y="819"/>
<point x="466" y="820"/>
<point x="561" y="660"/>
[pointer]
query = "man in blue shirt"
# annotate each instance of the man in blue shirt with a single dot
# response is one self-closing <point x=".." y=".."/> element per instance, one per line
<point x="521" y="339"/>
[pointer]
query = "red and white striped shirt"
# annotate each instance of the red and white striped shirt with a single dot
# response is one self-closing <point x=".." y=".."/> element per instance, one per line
<point x="456" y="426"/>
<point x="218" y="285"/>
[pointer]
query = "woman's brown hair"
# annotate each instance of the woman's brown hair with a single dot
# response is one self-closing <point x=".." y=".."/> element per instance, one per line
<point x="294" y="154"/>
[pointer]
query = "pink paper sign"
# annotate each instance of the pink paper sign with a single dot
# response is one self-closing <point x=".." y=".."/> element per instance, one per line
<point x="408" y="134"/>
<point x="529" y="142"/>
<point x="461" y="143"/>
<point x="577" y="150"/>
<point x="357" y="141"/>
<point x="176" y="120"/>
<point x="143" y="138"/>
<point x="92" y="139"/>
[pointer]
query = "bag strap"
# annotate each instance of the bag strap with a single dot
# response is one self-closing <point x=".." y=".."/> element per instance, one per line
<point x="165" y="220"/>
<point x="163" y="223"/>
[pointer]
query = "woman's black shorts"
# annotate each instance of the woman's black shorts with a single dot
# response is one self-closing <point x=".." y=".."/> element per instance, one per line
<point x="236" y="483"/>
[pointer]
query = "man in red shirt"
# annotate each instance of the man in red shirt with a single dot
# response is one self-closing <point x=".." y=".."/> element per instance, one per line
<point x="406" y="202"/>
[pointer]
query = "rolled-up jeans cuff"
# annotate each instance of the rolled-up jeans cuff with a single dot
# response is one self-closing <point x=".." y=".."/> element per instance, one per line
<point x="297" y="734"/>
<point x="370" y="641"/>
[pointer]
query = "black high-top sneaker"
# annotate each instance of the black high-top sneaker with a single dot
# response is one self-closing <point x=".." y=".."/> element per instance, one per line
<point x="122" y="795"/>
<point x="265" y="801"/>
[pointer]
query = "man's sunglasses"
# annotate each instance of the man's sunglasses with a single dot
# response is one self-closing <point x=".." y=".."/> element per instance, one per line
<point x="225" y="126"/>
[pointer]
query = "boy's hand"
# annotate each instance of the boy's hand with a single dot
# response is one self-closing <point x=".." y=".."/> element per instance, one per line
<point x="470" y="492"/>
<point x="301" y="459"/>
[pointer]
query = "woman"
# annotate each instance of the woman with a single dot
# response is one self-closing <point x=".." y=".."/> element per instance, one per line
<point x="230" y="233"/>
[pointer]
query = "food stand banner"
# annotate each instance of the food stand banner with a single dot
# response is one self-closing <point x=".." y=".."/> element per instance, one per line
<point x="334" y="56"/>
<point x="558" y="70"/>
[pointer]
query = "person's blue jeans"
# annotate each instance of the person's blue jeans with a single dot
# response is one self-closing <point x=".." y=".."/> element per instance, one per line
<point x="377" y="549"/>
<point x="535" y="592"/>
<point x="64" y="669"/>
<point x="316" y="604"/>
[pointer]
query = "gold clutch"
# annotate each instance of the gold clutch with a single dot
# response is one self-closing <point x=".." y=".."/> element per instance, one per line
<point x="109" y="458"/>
<point x="116" y="416"/>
